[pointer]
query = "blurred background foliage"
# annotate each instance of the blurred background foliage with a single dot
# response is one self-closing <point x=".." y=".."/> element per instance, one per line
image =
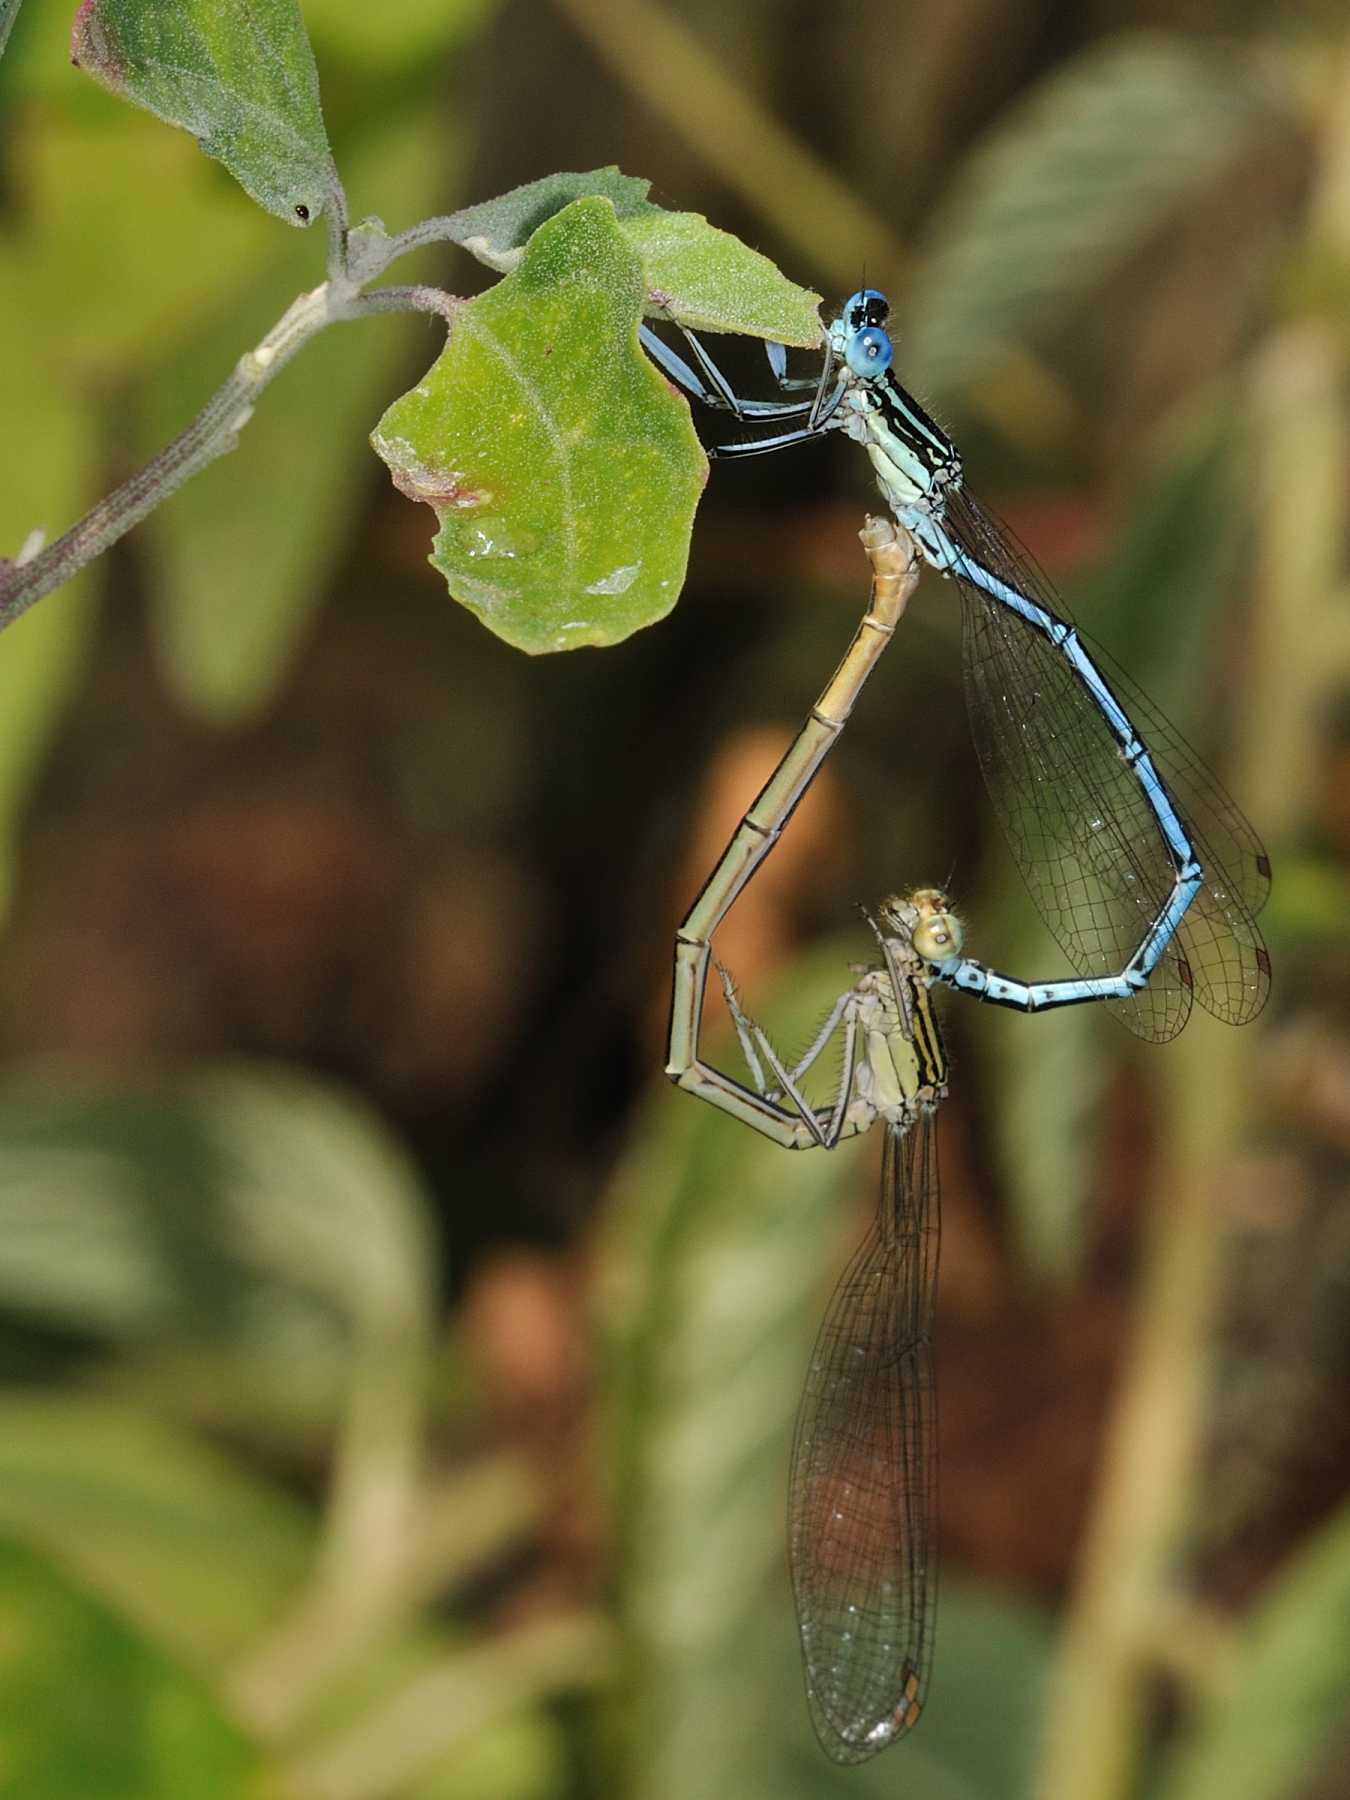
<point x="397" y="1377"/>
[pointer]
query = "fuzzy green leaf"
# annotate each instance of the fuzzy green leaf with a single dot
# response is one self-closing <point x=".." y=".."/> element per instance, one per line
<point x="692" y="272"/>
<point x="562" y="469"/>
<point x="709" y="280"/>
<point x="497" y="231"/>
<point x="238" y="74"/>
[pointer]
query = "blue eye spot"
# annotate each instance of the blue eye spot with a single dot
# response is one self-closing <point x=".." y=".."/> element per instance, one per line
<point x="868" y="352"/>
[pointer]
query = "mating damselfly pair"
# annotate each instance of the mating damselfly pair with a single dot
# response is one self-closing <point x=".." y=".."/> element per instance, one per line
<point x="1145" y="872"/>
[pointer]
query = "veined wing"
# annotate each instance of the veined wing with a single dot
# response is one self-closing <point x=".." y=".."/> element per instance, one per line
<point x="863" y="1488"/>
<point x="1077" y="819"/>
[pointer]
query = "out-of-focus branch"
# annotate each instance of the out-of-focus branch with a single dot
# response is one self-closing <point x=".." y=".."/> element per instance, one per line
<point x="741" y="141"/>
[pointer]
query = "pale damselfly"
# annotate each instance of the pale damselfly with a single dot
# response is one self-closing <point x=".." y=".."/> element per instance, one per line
<point x="1142" y="866"/>
<point x="862" y="1492"/>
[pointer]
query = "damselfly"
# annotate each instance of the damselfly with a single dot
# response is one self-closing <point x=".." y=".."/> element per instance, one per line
<point x="863" y="1483"/>
<point x="1140" y="863"/>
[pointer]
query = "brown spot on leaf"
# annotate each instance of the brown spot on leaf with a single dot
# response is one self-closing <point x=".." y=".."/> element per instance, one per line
<point x="94" y="47"/>
<point x="445" y="489"/>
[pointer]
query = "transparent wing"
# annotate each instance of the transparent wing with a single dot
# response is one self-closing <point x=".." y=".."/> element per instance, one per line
<point x="1077" y="821"/>
<point x="863" y="1489"/>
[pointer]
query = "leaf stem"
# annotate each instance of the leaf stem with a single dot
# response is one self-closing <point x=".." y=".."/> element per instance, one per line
<point x="335" y="215"/>
<point x="408" y="299"/>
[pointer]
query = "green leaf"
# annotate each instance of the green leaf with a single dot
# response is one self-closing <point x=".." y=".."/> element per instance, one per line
<point x="242" y="556"/>
<point x="9" y="11"/>
<point x="1064" y="193"/>
<point x="238" y="74"/>
<point x="561" y="467"/>
<point x="496" y="231"/>
<point x="1282" y="1711"/>
<point x="87" y="1707"/>
<point x="1045" y="1106"/>
<point x="710" y="281"/>
<point x="693" y="272"/>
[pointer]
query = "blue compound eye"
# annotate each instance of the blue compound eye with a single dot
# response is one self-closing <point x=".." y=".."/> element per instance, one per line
<point x="869" y="306"/>
<point x="868" y="352"/>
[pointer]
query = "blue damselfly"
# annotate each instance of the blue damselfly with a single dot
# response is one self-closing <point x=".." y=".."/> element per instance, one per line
<point x="1142" y="866"/>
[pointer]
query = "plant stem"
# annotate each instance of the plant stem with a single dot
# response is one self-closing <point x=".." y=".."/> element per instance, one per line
<point x="213" y="433"/>
<point x="662" y="60"/>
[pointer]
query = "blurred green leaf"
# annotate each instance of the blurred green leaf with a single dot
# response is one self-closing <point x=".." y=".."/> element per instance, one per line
<point x="88" y="1709"/>
<point x="452" y="1725"/>
<point x="1159" y="600"/>
<point x="1283" y="1709"/>
<point x="377" y="39"/>
<point x="179" y="1539"/>
<point x="1310" y="904"/>
<point x="562" y="469"/>
<point x="102" y="278"/>
<point x="319" y="1196"/>
<point x="262" y="1232"/>
<point x="981" y="1723"/>
<point x="37" y="61"/>
<point x="1044" y="1101"/>
<point x="241" y="557"/>
<point x="1064" y="192"/>
<point x="45" y="488"/>
<point x="238" y="74"/>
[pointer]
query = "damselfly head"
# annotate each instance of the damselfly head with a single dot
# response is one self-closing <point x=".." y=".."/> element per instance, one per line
<point x="924" y="917"/>
<point x="857" y="335"/>
<point x="938" y="934"/>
